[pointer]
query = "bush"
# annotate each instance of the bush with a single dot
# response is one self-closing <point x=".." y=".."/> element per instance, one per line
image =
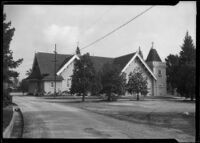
<point x="7" y="98"/>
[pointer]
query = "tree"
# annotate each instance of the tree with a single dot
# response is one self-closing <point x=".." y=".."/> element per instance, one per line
<point x="112" y="80"/>
<point x="24" y="85"/>
<point x="181" y="69"/>
<point x="172" y="67"/>
<point x="83" y="77"/>
<point x="8" y="62"/>
<point x="137" y="83"/>
<point x="187" y="68"/>
<point x="97" y="87"/>
<point x="188" y="51"/>
<point x="28" y="72"/>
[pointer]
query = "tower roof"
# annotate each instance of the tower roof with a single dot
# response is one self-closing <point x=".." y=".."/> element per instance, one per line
<point x="153" y="56"/>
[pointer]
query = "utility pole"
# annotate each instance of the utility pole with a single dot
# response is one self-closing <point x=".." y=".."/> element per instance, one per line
<point x="55" y="72"/>
<point x="83" y="97"/>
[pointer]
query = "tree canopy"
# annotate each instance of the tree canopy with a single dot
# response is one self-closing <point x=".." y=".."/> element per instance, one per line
<point x="181" y="69"/>
<point x="112" y="80"/>
<point x="8" y="62"/>
<point x="83" y="76"/>
<point x="29" y="71"/>
<point x="172" y="64"/>
<point x="137" y="83"/>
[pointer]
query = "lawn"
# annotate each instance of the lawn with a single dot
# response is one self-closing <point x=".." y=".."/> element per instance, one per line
<point x="7" y="116"/>
<point x="167" y="113"/>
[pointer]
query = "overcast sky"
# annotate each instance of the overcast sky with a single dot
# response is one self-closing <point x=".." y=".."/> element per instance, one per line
<point x="39" y="27"/>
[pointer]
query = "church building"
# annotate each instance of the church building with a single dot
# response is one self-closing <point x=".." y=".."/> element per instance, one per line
<point x="42" y="77"/>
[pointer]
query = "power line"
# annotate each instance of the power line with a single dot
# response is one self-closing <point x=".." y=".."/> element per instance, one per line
<point x="55" y="71"/>
<point x="116" y="28"/>
<point x="98" y="19"/>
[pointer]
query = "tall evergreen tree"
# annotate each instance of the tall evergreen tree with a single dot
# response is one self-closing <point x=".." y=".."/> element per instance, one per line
<point x="83" y="77"/>
<point x="172" y="66"/>
<point x="181" y="69"/>
<point x="8" y="62"/>
<point x="187" y="68"/>
<point x="188" y="52"/>
<point x="112" y="81"/>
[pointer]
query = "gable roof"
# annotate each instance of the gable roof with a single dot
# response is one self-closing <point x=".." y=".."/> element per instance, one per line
<point x="46" y="64"/>
<point x="123" y="60"/>
<point x="67" y="62"/>
<point x="98" y="62"/>
<point x="64" y="62"/>
<point x="153" y="56"/>
<point x="136" y="54"/>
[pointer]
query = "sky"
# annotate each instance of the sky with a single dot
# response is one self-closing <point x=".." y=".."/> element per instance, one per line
<point x="39" y="27"/>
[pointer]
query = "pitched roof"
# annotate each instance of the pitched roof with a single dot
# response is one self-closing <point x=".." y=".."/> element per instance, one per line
<point x="123" y="60"/>
<point x="64" y="62"/>
<point x="46" y="64"/>
<point x="98" y="62"/>
<point x="153" y="56"/>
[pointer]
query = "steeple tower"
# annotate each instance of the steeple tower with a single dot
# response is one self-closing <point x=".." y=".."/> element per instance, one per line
<point x="159" y="69"/>
<point x="78" y="53"/>
<point x="152" y="45"/>
<point x="153" y="55"/>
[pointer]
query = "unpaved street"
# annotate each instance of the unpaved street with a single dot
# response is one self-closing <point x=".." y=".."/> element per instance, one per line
<point x="44" y="119"/>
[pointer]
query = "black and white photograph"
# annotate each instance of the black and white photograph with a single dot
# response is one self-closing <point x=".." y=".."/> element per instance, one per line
<point x="99" y="71"/>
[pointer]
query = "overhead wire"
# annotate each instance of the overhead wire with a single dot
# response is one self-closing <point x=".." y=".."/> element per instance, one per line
<point x="119" y="27"/>
<point x="97" y="20"/>
<point x="94" y="23"/>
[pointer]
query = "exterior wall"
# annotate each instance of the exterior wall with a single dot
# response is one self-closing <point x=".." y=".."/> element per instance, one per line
<point x="32" y="86"/>
<point x="49" y="88"/>
<point x="35" y="86"/>
<point x="136" y="64"/>
<point x="160" y="84"/>
<point x="66" y="74"/>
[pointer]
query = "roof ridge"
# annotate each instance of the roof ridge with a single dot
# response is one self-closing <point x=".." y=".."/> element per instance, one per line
<point x="101" y="57"/>
<point x="53" y="53"/>
<point x="125" y="55"/>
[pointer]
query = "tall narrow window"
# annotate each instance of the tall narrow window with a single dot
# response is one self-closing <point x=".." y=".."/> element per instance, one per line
<point x="68" y="82"/>
<point x="159" y="73"/>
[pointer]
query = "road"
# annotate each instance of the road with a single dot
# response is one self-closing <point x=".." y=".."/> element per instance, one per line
<point x="44" y="119"/>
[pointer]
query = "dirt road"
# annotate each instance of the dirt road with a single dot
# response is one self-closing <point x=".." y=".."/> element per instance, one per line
<point x="44" y="119"/>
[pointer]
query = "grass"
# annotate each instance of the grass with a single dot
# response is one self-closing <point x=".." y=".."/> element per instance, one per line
<point x="166" y="113"/>
<point x="7" y="116"/>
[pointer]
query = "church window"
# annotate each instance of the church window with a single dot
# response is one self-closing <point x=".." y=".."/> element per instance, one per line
<point x="159" y="73"/>
<point x="68" y="82"/>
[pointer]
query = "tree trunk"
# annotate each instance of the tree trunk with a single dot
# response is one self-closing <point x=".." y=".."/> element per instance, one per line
<point x="137" y="96"/>
<point x="83" y="97"/>
<point x="109" y="96"/>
